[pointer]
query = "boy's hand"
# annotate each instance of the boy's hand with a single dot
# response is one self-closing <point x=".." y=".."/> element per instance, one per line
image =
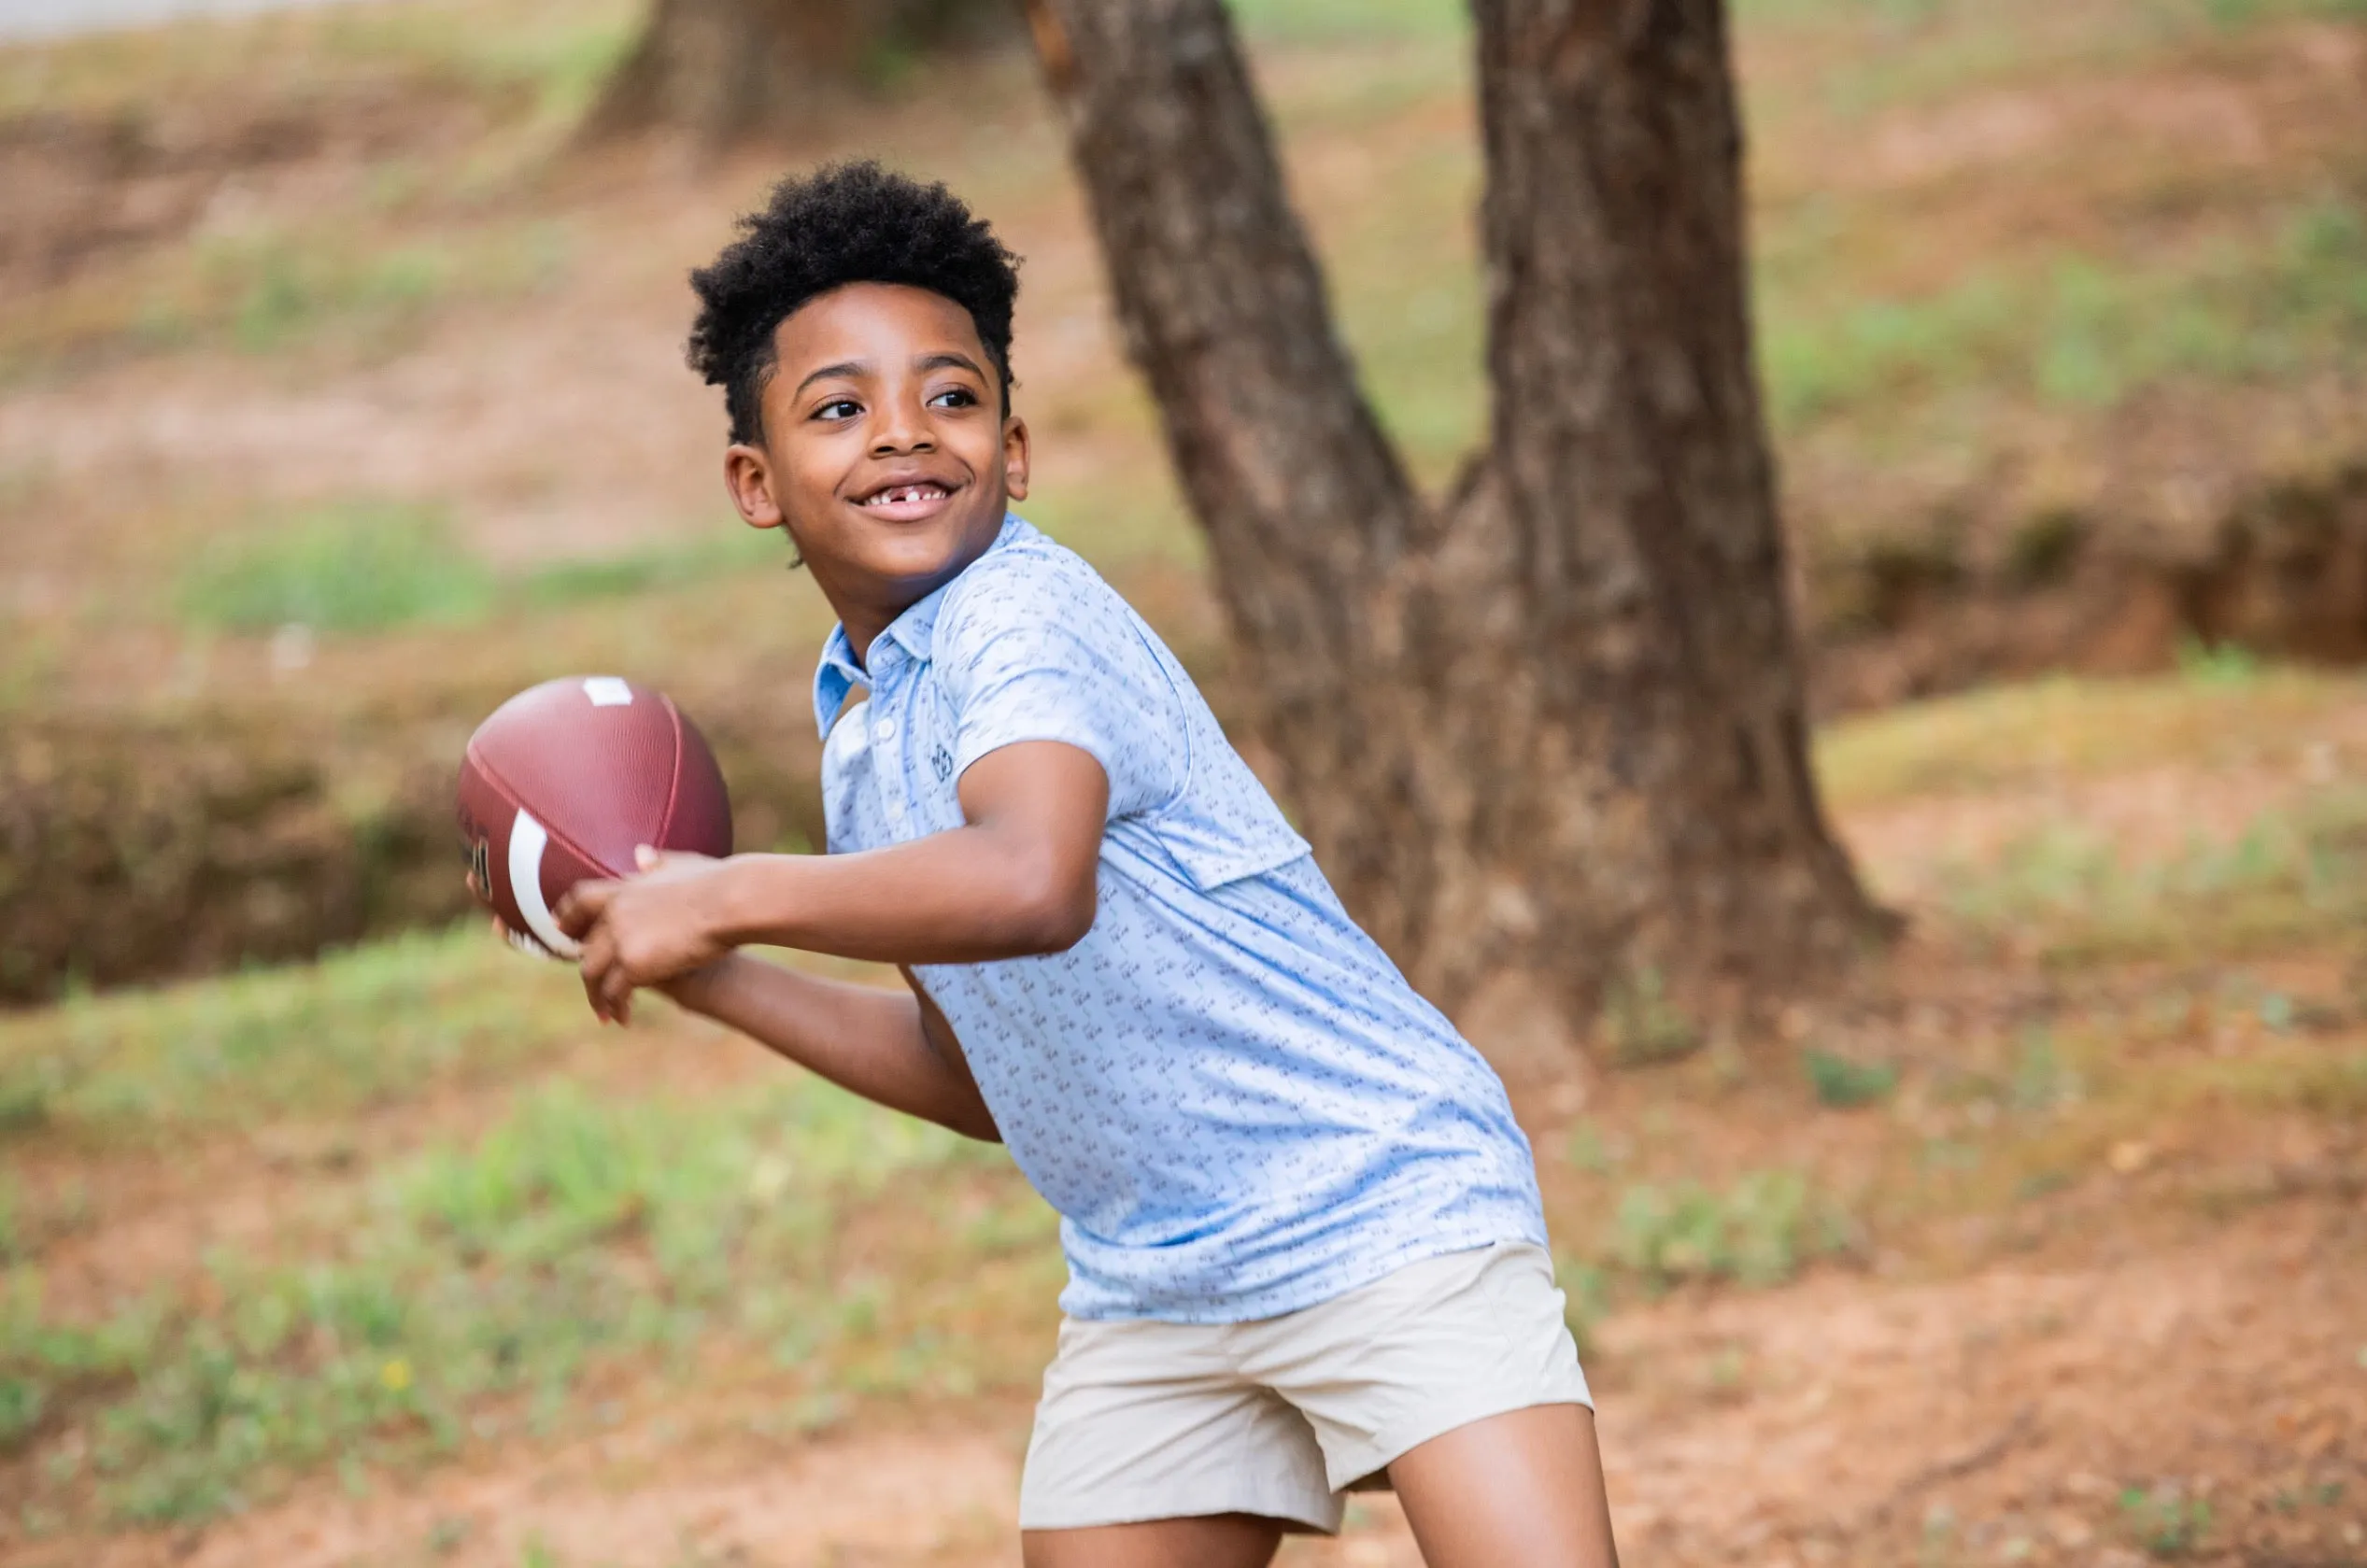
<point x="643" y="931"/>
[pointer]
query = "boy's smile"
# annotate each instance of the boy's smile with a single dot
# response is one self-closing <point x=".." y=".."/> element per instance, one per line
<point x="887" y="450"/>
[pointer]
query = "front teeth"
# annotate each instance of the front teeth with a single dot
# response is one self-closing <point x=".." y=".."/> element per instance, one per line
<point x="903" y="493"/>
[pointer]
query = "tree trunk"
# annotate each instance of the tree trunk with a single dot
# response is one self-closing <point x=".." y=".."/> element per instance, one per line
<point x="1551" y="728"/>
<point x="724" y="70"/>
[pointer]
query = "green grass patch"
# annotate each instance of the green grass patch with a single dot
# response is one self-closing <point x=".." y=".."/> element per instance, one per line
<point x="476" y="1288"/>
<point x="355" y="566"/>
<point x="469" y="1291"/>
<point x="1844" y="1083"/>
<point x="1351" y="21"/>
<point x="712" y="550"/>
<point x="1758" y="1231"/>
<point x="2221" y="708"/>
<point x="277" y="293"/>
<point x="2165" y="1522"/>
<point x="2311" y="1077"/>
<point x="370" y="1024"/>
<point x="1643" y="1025"/>
<point x="370" y="564"/>
<point x="545" y="53"/>
<point x="2072" y="896"/>
<point x="270" y="291"/>
<point x="347" y="283"/>
<point x="1890" y="54"/>
<point x="2081" y="331"/>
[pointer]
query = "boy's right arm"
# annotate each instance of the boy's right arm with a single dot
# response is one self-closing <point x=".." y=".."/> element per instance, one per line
<point x="897" y="1050"/>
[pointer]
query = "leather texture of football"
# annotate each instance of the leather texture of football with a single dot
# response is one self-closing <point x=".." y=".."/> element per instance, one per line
<point x="564" y="780"/>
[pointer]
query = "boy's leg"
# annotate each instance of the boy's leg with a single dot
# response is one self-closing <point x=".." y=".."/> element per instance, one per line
<point x="1221" y="1541"/>
<point x="1523" y="1490"/>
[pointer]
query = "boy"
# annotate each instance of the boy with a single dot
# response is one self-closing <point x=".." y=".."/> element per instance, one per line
<point x="1305" y="1244"/>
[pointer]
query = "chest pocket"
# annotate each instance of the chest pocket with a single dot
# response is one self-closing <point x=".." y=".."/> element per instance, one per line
<point x="1223" y="826"/>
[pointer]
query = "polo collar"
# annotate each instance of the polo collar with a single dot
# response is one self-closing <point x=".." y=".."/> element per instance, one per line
<point x="911" y="634"/>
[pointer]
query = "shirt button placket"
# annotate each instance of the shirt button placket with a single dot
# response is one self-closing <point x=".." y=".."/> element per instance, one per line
<point x="889" y="765"/>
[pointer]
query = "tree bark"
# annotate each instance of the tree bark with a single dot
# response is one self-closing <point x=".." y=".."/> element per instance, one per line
<point x="1549" y="727"/>
<point x="725" y="70"/>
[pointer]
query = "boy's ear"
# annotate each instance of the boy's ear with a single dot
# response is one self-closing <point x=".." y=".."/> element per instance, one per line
<point x="1014" y="456"/>
<point x="747" y="473"/>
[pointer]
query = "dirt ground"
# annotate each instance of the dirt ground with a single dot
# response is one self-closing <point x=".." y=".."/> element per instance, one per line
<point x="1993" y="1418"/>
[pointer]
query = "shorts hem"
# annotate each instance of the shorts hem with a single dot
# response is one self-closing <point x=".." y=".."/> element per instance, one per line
<point x="1320" y="1512"/>
<point x="1402" y="1438"/>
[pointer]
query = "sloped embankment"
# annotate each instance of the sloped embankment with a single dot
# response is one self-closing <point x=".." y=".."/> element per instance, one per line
<point x="2281" y="571"/>
<point x="135" y="847"/>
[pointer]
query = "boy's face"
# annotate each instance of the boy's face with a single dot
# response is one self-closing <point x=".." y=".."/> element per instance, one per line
<point x="887" y="452"/>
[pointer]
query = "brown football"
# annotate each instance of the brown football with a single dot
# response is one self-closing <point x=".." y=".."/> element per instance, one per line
<point x="565" y="780"/>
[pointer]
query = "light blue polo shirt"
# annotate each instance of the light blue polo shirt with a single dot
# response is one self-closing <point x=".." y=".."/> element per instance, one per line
<point x="1235" y="1101"/>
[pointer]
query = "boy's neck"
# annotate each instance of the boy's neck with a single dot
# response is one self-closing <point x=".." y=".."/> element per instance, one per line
<point x="869" y="608"/>
<point x="864" y="624"/>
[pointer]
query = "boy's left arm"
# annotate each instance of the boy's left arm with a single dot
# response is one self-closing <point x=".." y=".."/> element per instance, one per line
<point x="1019" y="878"/>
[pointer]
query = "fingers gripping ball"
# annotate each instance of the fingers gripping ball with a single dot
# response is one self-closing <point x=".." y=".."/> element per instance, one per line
<point x="565" y="780"/>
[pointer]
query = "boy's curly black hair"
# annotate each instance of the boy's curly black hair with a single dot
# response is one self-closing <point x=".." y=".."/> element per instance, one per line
<point x="845" y="223"/>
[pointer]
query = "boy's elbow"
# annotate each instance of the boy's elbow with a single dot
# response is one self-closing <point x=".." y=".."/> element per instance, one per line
<point x="1068" y="919"/>
<point x="1056" y="914"/>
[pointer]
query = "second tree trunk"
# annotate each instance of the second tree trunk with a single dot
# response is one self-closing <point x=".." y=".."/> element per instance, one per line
<point x="1552" y="728"/>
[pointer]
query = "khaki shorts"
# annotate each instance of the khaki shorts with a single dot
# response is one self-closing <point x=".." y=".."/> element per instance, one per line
<point x="1152" y="1420"/>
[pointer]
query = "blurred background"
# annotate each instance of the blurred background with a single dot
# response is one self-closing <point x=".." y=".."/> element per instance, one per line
<point x="341" y="395"/>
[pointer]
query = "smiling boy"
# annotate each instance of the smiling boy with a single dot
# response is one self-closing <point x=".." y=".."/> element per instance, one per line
<point x="1305" y="1244"/>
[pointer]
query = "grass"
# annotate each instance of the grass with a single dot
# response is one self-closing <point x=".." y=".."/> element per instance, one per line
<point x="358" y="566"/>
<point x="353" y="283"/>
<point x="471" y="1291"/>
<point x="2245" y="298"/>
<point x="543" y="53"/>
<point x="376" y="1023"/>
<point x="717" y="549"/>
<point x="2219" y="710"/>
<point x="1756" y="1231"/>
<point x="2082" y="331"/>
<point x="2071" y="896"/>
<point x="372" y="564"/>
<point x="1300" y="22"/>
<point x="1843" y="1083"/>
<point x="273" y="289"/>
<point x="1643" y="1027"/>
<point x="2164" y="1523"/>
<point x="1896" y="53"/>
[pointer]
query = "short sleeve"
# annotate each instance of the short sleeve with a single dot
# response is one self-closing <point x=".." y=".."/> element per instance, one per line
<point x="1041" y="650"/>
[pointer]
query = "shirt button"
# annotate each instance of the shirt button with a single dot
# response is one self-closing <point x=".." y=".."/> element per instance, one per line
<point x="885" y="730"/>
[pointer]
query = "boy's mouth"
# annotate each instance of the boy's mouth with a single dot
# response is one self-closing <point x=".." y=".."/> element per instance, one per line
<point x="907" y="501"/>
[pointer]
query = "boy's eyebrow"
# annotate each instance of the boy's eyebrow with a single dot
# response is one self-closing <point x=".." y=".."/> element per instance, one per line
<point x="942" y="359"/>
<point x="845" y="367"/>
<point x="948" y="359"/>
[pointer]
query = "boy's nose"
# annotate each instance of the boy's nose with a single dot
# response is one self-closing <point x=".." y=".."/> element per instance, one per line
<point x="898" y="429"/>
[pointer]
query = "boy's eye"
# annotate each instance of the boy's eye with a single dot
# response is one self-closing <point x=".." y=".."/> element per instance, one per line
<point x="838" y="408"/>
<point x="955" y="397"/>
